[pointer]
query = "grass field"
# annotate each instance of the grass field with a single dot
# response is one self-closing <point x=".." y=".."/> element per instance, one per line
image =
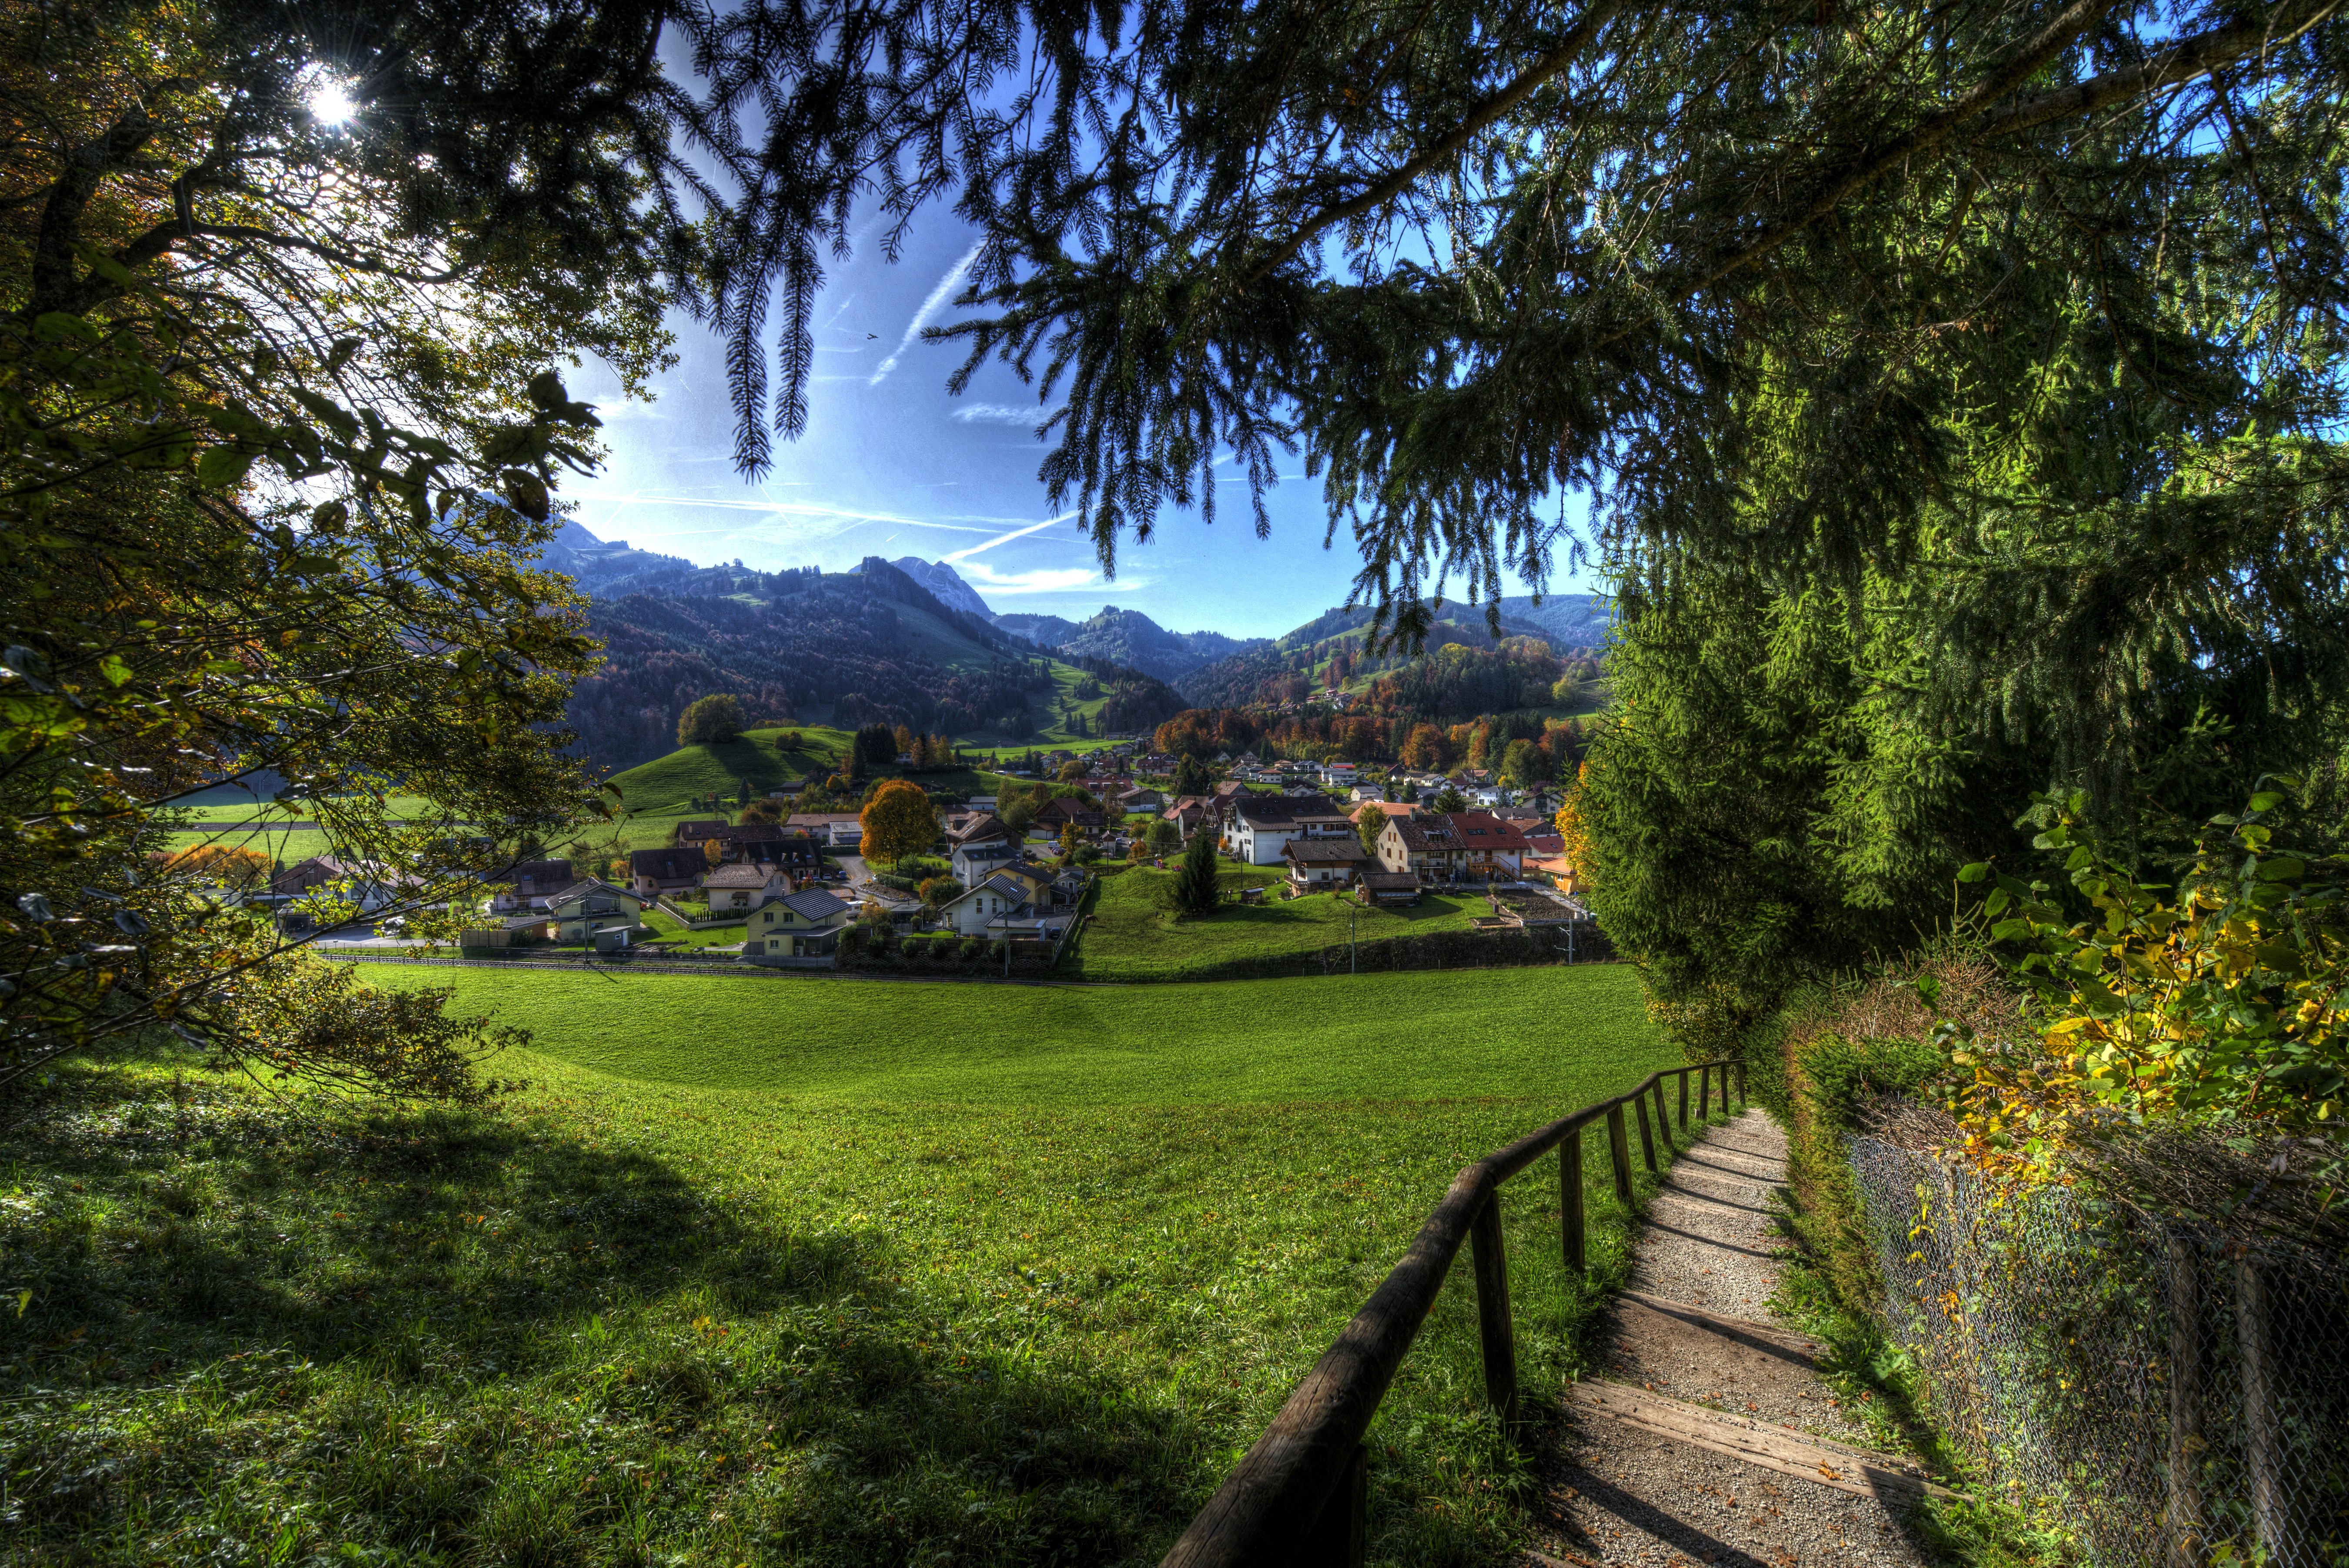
<point x="766" y="1270"/>
<point x="1133" y="937"/>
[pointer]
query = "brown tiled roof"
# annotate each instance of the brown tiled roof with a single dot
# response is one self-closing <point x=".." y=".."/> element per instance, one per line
<point x="1325" y="851"/>
<point x="1482" y="830"/>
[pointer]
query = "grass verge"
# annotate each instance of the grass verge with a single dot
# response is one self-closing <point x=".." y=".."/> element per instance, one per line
<point x="919" y="1314"/>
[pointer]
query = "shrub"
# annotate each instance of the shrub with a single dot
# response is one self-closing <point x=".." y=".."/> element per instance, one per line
<point x="711" y="720"/>
<point x="972" y="947"/>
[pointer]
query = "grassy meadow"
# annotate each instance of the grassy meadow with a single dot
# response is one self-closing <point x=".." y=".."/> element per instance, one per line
<point x="1134" y="936"/>
<point x="766" y="1270"/>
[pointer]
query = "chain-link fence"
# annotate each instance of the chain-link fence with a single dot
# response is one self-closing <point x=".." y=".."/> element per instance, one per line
<point x="2172" y="1393"/>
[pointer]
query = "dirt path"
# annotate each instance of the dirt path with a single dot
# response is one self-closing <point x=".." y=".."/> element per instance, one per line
<point x="1707" y="1436"/>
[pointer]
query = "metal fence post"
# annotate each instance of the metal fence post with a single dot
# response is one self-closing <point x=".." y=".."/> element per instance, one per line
<point x="1499" y="1336"/>
<point x="1618" y="1150"/>
<point x="1340" y="1533"/>
<point x="2185" y="1404"/>
<point x="1569" y="1197"/>
<point x="1647" y="1138"/>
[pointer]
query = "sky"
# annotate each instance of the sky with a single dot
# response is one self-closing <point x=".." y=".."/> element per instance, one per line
<point x="893" y="466"/>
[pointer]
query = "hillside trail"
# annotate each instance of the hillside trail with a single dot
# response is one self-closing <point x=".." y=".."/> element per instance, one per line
<point x="1707" y="1435"/>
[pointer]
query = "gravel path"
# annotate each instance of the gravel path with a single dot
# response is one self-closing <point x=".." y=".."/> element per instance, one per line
<point x="1694" y="1328"/>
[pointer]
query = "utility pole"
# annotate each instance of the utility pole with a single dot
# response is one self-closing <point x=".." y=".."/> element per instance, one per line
<point x="1353" y="967"/>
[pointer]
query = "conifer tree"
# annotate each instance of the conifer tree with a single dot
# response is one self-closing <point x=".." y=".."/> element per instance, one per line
<point x="1195" y="892"/>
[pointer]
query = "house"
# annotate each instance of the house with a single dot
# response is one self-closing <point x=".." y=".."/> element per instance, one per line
<point x="1188" y="813"/>
<point x="1387" y="890"/>
<point x="301" y="891"/>
<point x="841" y="830"/>
<point x="793" y="854"/>
<point x="997" y="897"/>
<point x="1035" y="878"/>
<point x="1490" y="848"/>
<point x="694" y="833"/>
<point x="585" y="908"/>
<point x="742" y="887"/>
<point x="1324" y="865"/>
<point x="652" y="872"/>
<point x="528" y="885"/>
<point x="977" y="827"/>
<point x="1258" y="826"/>
<point x="1422" y="846"/>
<point x="1475" y="845"/>
<point x="1364" y="794"/>
<point x="974" y="863"/>
<point x="1139" y="800"/>
<point x="1488" y="796"/>
<point x="1227" y="791"/>
<point x="1061" y="810"/>
<point x="803" y="924"/>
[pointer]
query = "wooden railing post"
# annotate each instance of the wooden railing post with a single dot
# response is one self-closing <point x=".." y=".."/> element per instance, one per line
<point x="1499" y="1334"/>
<point x="1569" y="1199"/>
<point x="1341" y="1533"/>
<point x="1618" y="1150"/>
<point x="1663" y="1122"/>
<point x="1743" y="1103"/>
<point x="1684" y="1102"/>
<point x="1647" y="1138"/>
<point x="1703" y="1093"/>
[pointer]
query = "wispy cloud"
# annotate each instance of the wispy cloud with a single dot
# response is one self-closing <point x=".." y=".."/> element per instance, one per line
<point x="1001" y="414"/>
<point x="1048" y="580"/>
<point x="931" y="307"/>
<point x="961" y="555"/>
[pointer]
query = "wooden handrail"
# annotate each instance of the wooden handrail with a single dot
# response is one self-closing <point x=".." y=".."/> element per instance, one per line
<point x="1272" y="1508"/>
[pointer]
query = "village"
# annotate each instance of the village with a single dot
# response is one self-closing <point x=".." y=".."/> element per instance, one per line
<point x="1008" y="879"/>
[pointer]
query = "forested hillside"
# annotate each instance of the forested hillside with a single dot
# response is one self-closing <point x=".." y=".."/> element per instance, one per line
<point x="841" y="648"/>
<point x="1445" y="680"/>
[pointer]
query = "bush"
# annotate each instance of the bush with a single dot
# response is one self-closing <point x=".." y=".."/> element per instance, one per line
<point x="995" y="951"/>
<point x="853" y="943"/>
<point x="711" y="720"/>
<point x="972" y="947"/>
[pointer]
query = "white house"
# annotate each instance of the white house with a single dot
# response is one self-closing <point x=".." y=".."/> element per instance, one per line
<point x="974" y="863"/>
<point x="994" y="899"/>
<point x="1256" y="828"/>
<point x="733" y="888"/>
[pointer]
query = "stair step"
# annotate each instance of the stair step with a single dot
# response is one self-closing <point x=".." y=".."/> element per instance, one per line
<point x="1860" y="1471"/>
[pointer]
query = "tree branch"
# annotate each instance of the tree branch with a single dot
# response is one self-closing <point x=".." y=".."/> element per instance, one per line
<point x="1577" y="38"/>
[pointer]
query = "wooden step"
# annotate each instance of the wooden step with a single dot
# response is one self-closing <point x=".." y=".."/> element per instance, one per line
<point x="1838" y="1465"/>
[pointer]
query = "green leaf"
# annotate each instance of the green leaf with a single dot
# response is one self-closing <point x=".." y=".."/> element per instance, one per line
<point x="224" y="468"/>
<point x="115" y="671"/>
<point x="1975" y="873"/>
<point x="57" y="327"/>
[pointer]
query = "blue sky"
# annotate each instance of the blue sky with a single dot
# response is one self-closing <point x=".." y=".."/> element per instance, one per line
<point x="893" y="466"/>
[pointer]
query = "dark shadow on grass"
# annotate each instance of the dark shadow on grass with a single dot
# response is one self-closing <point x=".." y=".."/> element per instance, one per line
<point x="346" y="1270"/>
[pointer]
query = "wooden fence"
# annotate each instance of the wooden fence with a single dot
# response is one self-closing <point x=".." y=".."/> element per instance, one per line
<point x="1300" y="1494"/>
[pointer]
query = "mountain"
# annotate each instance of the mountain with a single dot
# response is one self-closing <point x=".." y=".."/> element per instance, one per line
<point x="1567" y="619"/>
<point x="1044" y="630"/>
<point x="1289" y="667"/>
<point x="844" y="648"/>
<point x="946" y="586"/>
<point x="1133" y="640"/>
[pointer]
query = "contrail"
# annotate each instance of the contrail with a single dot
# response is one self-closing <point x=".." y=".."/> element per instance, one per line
<point x="931" y="307"/>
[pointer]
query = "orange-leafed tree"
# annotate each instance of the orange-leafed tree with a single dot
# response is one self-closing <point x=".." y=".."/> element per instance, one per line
<point x="897" y="821"/>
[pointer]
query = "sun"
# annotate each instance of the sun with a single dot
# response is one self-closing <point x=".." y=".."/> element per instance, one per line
<point x="331" y="102"/>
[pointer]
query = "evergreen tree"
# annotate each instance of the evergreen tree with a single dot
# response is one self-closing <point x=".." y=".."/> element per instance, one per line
<point x="1194" y="883"/>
